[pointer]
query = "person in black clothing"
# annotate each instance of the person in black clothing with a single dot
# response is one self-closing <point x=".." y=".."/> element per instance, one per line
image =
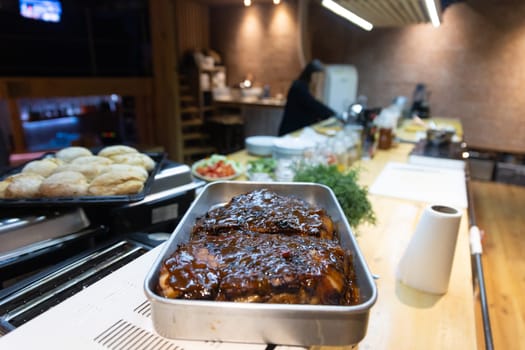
<point x="302" y="108"/>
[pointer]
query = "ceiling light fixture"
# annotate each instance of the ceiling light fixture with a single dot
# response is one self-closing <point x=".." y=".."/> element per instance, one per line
<point x="349" y="15"/>
<point x="249" y="2"/>
<point x="432" y="12"/>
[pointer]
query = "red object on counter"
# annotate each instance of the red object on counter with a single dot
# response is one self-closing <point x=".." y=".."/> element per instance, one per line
<point x="21" y="158"/>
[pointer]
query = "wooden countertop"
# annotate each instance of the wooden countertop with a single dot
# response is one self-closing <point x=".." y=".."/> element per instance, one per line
<point x="250" y="102"/>
<point x="404" y="318"/>
<point x="411" y="131"/>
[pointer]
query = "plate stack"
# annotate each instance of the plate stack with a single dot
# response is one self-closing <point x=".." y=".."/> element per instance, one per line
<point x="260" y="145"/>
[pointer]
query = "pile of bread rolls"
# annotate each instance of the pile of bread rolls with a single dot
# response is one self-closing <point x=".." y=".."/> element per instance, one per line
<point x="76" y="171"/>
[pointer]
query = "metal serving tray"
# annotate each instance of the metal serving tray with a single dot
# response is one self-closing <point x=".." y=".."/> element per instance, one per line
<point x="285" y="324"/>
<point x="158" y="157"/>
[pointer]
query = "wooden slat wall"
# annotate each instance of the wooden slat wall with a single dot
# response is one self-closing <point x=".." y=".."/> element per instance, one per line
<point x="388" y="13"/>
<point x="166" y="103"/>
<point x="193" y="22"/>
<point x="176" y="27"/>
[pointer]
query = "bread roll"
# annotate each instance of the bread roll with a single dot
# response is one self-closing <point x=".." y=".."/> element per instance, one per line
<point x="69" y="153"/>
<point x="44" y="167"/>
<point x="92" y="160"/>
<point x="23" y="185"/>
<point x="3" y="186"/>
<point x="64" y="184"/>
<point x="111" y="151"/>
<point x="138" y="159"/>
<point x="116" y="183"/>
<point x="90" y="171"/>
<point x="136" y="170"/>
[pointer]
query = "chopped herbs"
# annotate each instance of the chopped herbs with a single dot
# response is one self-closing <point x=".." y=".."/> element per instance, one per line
<point x="352" y="197"/>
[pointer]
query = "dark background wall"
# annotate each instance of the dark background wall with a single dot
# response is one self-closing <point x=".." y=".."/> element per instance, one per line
<point x="94" y="38"/>
<point x="472" y="64"/>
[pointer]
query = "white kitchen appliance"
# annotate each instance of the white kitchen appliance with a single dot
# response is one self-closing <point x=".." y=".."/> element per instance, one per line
<point x="338" y="87"/>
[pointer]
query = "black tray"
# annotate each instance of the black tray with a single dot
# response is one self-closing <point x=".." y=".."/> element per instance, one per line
<point x="158" y="157"/>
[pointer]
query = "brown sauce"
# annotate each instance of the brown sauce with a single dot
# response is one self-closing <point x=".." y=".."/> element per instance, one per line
<point x="262" y="247"/>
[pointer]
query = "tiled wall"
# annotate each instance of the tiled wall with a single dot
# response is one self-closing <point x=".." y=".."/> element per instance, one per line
<point x="473" y="65"/>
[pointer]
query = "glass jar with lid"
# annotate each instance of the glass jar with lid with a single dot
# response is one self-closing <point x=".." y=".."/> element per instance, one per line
<point x="289" y="153"/>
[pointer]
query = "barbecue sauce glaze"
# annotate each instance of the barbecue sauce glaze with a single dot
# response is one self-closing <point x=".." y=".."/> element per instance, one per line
<point x="261" y="247"/>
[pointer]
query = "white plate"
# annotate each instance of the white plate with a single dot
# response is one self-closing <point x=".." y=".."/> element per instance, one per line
<point x="260" y="145"/>
<point x="292" y="146"/>
<point x="212" y="160"/>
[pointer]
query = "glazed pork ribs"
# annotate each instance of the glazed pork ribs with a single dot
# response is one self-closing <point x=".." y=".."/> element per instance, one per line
<point x="262" y="247"/>
<point x="263" y="211"/>
<point x="260" y="268"/>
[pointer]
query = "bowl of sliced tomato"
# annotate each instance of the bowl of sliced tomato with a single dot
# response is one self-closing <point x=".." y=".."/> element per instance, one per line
<point x="216" y="167"/>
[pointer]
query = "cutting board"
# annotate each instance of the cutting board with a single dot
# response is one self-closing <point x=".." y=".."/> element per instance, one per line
<point x="432" y="185"/>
